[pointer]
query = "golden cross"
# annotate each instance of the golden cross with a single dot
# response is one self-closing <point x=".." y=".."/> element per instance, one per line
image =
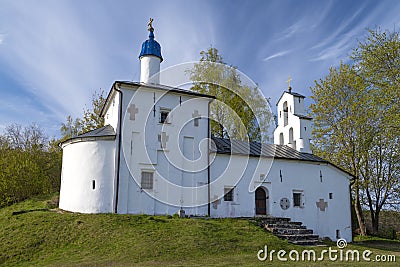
<point x="150" y="24"/>
<point x="288" y="81"/>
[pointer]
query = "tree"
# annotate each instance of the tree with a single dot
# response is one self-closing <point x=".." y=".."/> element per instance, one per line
<point x="240" y="111"/>
<point x="91" y="119"/>
<point x="378" y="62"/>
<point x="29" y="165"/>
<point x="340" y="111"/>
<point x="356" y="122"/>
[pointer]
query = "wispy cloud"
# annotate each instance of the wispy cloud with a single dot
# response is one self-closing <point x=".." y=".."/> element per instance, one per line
<point x="2" y="38"/>
<point x="279" y="54"/>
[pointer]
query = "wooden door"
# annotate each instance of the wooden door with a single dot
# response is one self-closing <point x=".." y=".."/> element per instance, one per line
<point x="261" y="202"/>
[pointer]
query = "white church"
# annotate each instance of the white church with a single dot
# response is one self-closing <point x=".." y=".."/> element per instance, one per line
<point x="156" y="156"/>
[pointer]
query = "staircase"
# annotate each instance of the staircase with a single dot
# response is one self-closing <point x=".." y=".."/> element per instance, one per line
<point x="294" y="232"/>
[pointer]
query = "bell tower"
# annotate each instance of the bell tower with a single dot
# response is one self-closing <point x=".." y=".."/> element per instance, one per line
<point x="150" y="58"/>
<point x="294" y="127"/>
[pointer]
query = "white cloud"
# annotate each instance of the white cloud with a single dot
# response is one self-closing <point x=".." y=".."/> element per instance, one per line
<point x="2" y="38"/>
<point x="279" y="54"/>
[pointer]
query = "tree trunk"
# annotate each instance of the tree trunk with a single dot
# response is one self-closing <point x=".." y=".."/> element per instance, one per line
<point x="360" y="218"/>
<point x="375" y="221"/>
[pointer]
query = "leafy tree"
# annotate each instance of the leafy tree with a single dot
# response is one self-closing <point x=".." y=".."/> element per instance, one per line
<point x="29" y="165"/>
<point x="339" y="119"/>
<point x="240" y="111"/>
<point x="91" y="119"/>
<point x="378" y="62"/>
<point x="356" y="122"/>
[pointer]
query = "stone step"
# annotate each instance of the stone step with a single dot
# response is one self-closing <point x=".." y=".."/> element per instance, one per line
<point x="297" y="237"/>
<point x="305" y="242"/>
<point x="285" y="225"/>
<point x="276" y="219"/>
<point x="289" y="231"/>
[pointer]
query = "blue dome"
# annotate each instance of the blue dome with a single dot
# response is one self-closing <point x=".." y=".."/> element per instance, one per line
<point x="151" y="47"/>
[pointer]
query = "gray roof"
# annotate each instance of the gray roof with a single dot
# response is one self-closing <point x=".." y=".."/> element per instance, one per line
<point x="303" y="117"/>
<point x="107" y="130"/>
<point x="290" y="93"/>
<point x="255" y="149"/>
<point x="105" y="133"/>
<point x="155" y="86"/>
<point x="166" y="88"/>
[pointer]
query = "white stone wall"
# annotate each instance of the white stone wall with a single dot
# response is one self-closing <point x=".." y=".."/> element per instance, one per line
<point x="149" y="69"/>
<point x="143" y="152"/>
<point x="301" y="127"/>
<point x="83" y="163"/>
<point x="111" y="116"/>
<point x="296" y="175"/>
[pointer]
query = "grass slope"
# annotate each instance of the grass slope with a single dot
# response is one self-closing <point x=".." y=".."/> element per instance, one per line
<point x="47" y="238"/>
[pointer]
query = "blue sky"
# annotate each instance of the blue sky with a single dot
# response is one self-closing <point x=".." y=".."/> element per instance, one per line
<point x="55" y="54"/>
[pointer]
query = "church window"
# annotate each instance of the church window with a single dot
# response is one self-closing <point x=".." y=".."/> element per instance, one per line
<point x="147" y="180"/>
<point x="285" y="114"/>
<point x="298" y="200"/>
<point x="291" y="135"/>
<point x="228" y="194"/>
<point x="299" y="99"/>
<point x="164" y="113"/>
<point x="330" y="195"/>
<point x="281" y="140"/>
<point x="337" y="233"/>
<point x="93" y="184"/>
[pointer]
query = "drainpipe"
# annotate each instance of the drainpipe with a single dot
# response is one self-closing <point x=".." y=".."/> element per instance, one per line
<point x="119" y="146"/>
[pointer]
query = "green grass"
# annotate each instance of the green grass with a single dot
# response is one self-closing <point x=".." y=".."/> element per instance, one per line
<point x="40" y="237"/>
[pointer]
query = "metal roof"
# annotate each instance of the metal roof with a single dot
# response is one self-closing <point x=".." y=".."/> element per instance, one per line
<point x="303" y="117"/>
<point x="104" y="133"/>
<point x="255" y="149"/>
<point x="166" y="88"/>
<point x="151" y="47"/>
<point x="290" y="93"/>
<point x="107" y="130"/>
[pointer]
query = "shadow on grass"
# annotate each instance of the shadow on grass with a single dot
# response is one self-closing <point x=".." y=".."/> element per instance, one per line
<point x="27" y="211"/>
<point x="380" y="244"/>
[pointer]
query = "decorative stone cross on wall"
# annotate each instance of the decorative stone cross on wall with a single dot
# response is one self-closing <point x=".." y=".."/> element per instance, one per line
<point x="196" y="115"/>
<point x="132" y="110"/>
<point x="163" y="138"/>
<point x="321" y="204"/>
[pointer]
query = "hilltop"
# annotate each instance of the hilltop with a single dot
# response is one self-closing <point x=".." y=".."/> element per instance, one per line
<point x="32" y="233"/>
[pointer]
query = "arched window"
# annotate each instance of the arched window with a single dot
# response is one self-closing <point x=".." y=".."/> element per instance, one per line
<point x="281" y="141"/>
<point x="291" y="141"/>
<point x="285" y="113"/>
<point x="291" y="135"/>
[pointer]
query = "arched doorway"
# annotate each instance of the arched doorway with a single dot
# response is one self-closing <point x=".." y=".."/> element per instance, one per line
<point x="262" y="201"/>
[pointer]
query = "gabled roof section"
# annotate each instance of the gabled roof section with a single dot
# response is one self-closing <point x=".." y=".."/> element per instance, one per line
<point x="107" y="130"/>
<point x="165" y="88"/>
<point x="153" y="86"/>
<point x="255" y="149"/>
<point x="303" y="117"/>
<point x="104" y="133"/>
<point x="290" y="93"/>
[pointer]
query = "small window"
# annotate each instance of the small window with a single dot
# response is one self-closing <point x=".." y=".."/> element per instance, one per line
<point x="147" y="180"/>
<point x="164" y="116"/>
<point x="330" y="195"/>
<point x="93" y="184"/>
<point x="228" y="194"/>
<point x="296" y="199"/>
